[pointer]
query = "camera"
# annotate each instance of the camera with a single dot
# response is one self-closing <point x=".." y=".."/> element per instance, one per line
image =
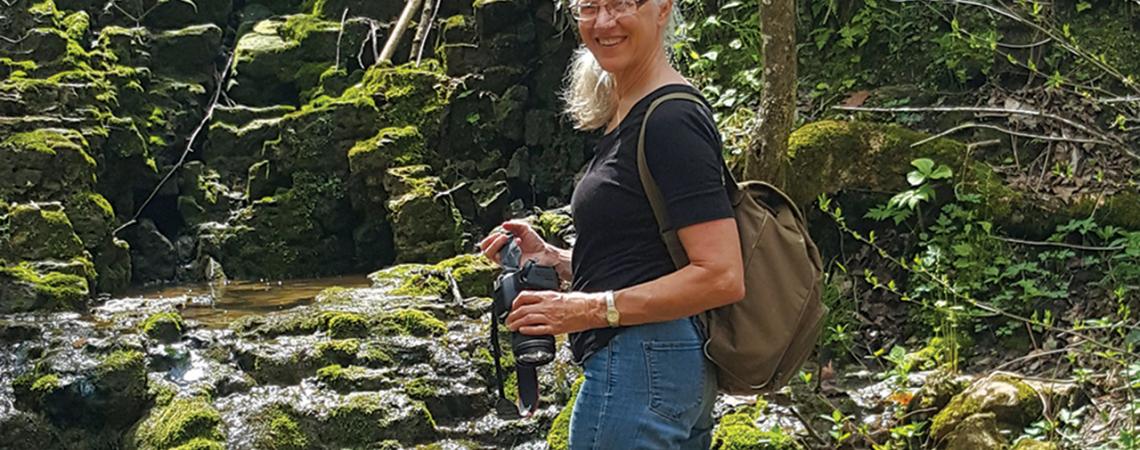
<point x="530" y="351"/>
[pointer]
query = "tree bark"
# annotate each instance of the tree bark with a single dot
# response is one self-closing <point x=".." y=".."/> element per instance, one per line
<point x="422" y="31"/>
<point x="767" y="154"/>
<point x="398" y="30"/>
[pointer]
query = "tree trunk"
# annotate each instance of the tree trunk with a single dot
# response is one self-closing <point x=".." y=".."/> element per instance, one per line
<point x="766" y="157"/>
<point x="420" y="40"/>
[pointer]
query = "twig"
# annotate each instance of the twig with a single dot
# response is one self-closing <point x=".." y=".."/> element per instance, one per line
<point x="1029" y="357"/>
<point x="1023" y="46"/>
<point x="1126" y="99"/>
<point x="1010" y="132"/>
<point x="395" y="33"/>
<point x="973" y="145"/>
<point x="1059" y="244"/>
<point x="17" y="40"/>
<point x="189" y="145"/>
<point x="339" y="33"/>
<point x="807" y="425"/>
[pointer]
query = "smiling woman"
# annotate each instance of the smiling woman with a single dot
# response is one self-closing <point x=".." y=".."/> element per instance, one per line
<point x="631" y="314"/>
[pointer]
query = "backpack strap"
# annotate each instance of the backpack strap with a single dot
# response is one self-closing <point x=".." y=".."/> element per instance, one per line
<point x="653" y="193"/>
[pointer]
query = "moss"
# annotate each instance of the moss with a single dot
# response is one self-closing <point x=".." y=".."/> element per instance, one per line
<point x="201" y="444"/>
<point x="550" y="224"/>
<point x="474" y="273"/>
<point x="51" y="141"/>
<point x="413" y="322"/>
<point x="297" y="27"/>
<point x="335" y="294"/>
<point x="417" y="280"/>
<point x="282" y="432"/>
<point x="420" y="388"/>
<point x="737" y="431"/>
<point x="1034" y="444"/>
<point x="376" y="357"/>
<point x="558" y="438"/>
<point x="337" y="374"/>
<point x="342" y="325"/>
<point x="180" y="423"/>
<point x="453" y="22"/>
<point x="1013" y="403"/>
<point x="163" y="326"/>
<point x="46" y="384"/>
<point x="57" y="290"/>
<point x="340" y="351"/>
<point x="392" y="146"/>
<point x="77" y="24"/>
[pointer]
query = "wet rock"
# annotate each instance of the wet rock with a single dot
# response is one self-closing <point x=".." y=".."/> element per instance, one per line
<point x="153" y="257"/>
<point x="354" y="378"/>
<point x="24" y="430"/>
<point x="739" y="431"/>
<point x="164" y="327"/>
<point x="108" y="395"/>
<point x="372" y="417"/>
<point x="474" y="276"/>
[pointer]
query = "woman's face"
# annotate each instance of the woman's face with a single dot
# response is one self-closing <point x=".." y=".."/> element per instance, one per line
<point x="619" y="43"/>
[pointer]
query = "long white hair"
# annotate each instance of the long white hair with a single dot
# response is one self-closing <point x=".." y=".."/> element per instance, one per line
<point x="589" y="91"/>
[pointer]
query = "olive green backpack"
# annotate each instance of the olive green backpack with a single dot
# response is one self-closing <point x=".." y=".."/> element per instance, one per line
<point x="758" y="343"/>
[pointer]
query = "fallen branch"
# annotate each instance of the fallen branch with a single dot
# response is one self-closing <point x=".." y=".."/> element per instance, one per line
<point x="427" y="19"/>
<point x="1113" y="248"/>
<point x="1011" y="132"/>
<point x="339" y="33"/>
<point x="989" y="110"/>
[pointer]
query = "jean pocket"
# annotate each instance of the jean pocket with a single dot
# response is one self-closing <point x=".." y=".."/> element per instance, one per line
<point x="676" y="377"/>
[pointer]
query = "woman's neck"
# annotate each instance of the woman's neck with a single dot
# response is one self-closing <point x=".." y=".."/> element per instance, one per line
<point x="637" y="82"/>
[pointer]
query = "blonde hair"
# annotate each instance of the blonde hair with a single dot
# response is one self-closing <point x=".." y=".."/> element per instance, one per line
<point x="589" y="92"/>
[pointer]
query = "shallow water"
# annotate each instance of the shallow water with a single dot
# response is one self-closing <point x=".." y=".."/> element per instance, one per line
<point x="215" y="305"/>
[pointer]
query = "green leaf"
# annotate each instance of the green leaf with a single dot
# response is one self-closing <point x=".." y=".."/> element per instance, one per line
<point x="923" y="164"/>
<point x="1083" y="6"/>
<point x="941" y="172"/>
<point x="915" y="178"/>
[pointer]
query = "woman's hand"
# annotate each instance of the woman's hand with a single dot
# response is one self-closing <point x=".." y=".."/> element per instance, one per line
<point x="531" y="244"/>
<point x="550" y="312"/>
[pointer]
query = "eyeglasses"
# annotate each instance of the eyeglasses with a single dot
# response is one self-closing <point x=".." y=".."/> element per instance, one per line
<point x="587" y="11"/>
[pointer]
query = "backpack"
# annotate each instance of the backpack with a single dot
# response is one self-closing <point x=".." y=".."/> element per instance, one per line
<point x="758" y="343"/>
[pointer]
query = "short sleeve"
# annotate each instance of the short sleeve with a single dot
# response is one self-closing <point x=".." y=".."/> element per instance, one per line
<point x="683" y="152"/>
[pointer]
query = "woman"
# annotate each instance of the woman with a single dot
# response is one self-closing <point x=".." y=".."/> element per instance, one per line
<point x="630" y="313"/>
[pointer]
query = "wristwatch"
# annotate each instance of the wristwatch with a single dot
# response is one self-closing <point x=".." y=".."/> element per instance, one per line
<point x="613" y="318"/>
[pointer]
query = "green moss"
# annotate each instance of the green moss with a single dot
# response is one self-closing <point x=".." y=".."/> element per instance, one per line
<point x="376" y="357"/>
<point x="164" y="326"/>
<point x="297" y="27"/>
<point x="456" y="21"/>
<point x="392" y="146"/>
<point x="51" y="141"/>
<point x="417" y="280"/>
<point x="46" y="384"/>
<point x="420" y="388"/>
<point x="77" y="24"/>
<point x="58" y="289"/>
<point x="737" y="431"/>
<point x="413" y="322"/>
<point x="1034" y="444"/>
<point x="122" y="361"/>
<point x="181" y="422"/>
<point x="338" y="374"/>
<point x="1014" y="409"/>
<point x="340" y="351"/>
<point x="558" y="438"/>
<point x="474" y="273"/>
<point x="282" y="432"/>
<point x="549" y="224"/>
<point x="45" y="8"/>
<point x="342" y="325"/>
<point x="201" y="444"/>
<point x="335" y="294"/>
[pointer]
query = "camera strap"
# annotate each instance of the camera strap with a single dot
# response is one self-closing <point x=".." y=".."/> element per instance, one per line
<point x="497" y="353"/>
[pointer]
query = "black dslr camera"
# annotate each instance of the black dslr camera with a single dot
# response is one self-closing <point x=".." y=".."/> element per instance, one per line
<point x="530" y="351"/>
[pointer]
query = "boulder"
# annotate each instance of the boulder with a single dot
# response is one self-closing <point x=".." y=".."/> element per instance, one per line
<point x="187" y="53"/>
<point x="425" y="225"/>
<point x="108" y="394"/>
<point x="986" y="412"/>
<point x="45" y="164"/>
<point x="183" y="423"/>
<point x="153" y="257"/>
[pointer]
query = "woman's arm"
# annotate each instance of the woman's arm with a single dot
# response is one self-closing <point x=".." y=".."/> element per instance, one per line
<point x="713" y="278"/>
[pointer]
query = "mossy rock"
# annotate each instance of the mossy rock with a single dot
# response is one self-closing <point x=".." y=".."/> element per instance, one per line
<point x="109" y="395"/>
<point x="171" y="15"/>
<point x="53" y="161"/>
<point x="164" y="326"/>
<point x="413" y="322"/>
<point x="188" y="52"/>
<point x="558" y="438"/>
<point x="333" y="9"/>
<point x="180" y="423"/>
<point x="828" y="157"/>
<point x="353" y="378"/>
<point x="993" y="403"/>
<point x="279" y="430"/>
<point x="365" y="418"/>
<point x="338" y="351"/>
<point x="426" y="226"/>
<point x="1034" y="444"/>
<point x="474" y="274"/>
<point x="738" y="431"/>
<point x="40" y="231"/>
<point x="23" y="288"/>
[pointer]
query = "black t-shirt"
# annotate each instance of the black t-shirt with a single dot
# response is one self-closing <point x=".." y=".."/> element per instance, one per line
<point x="618" y="243"/>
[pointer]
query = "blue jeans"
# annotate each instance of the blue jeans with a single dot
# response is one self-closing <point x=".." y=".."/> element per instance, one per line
<point x="650" y="388"/>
